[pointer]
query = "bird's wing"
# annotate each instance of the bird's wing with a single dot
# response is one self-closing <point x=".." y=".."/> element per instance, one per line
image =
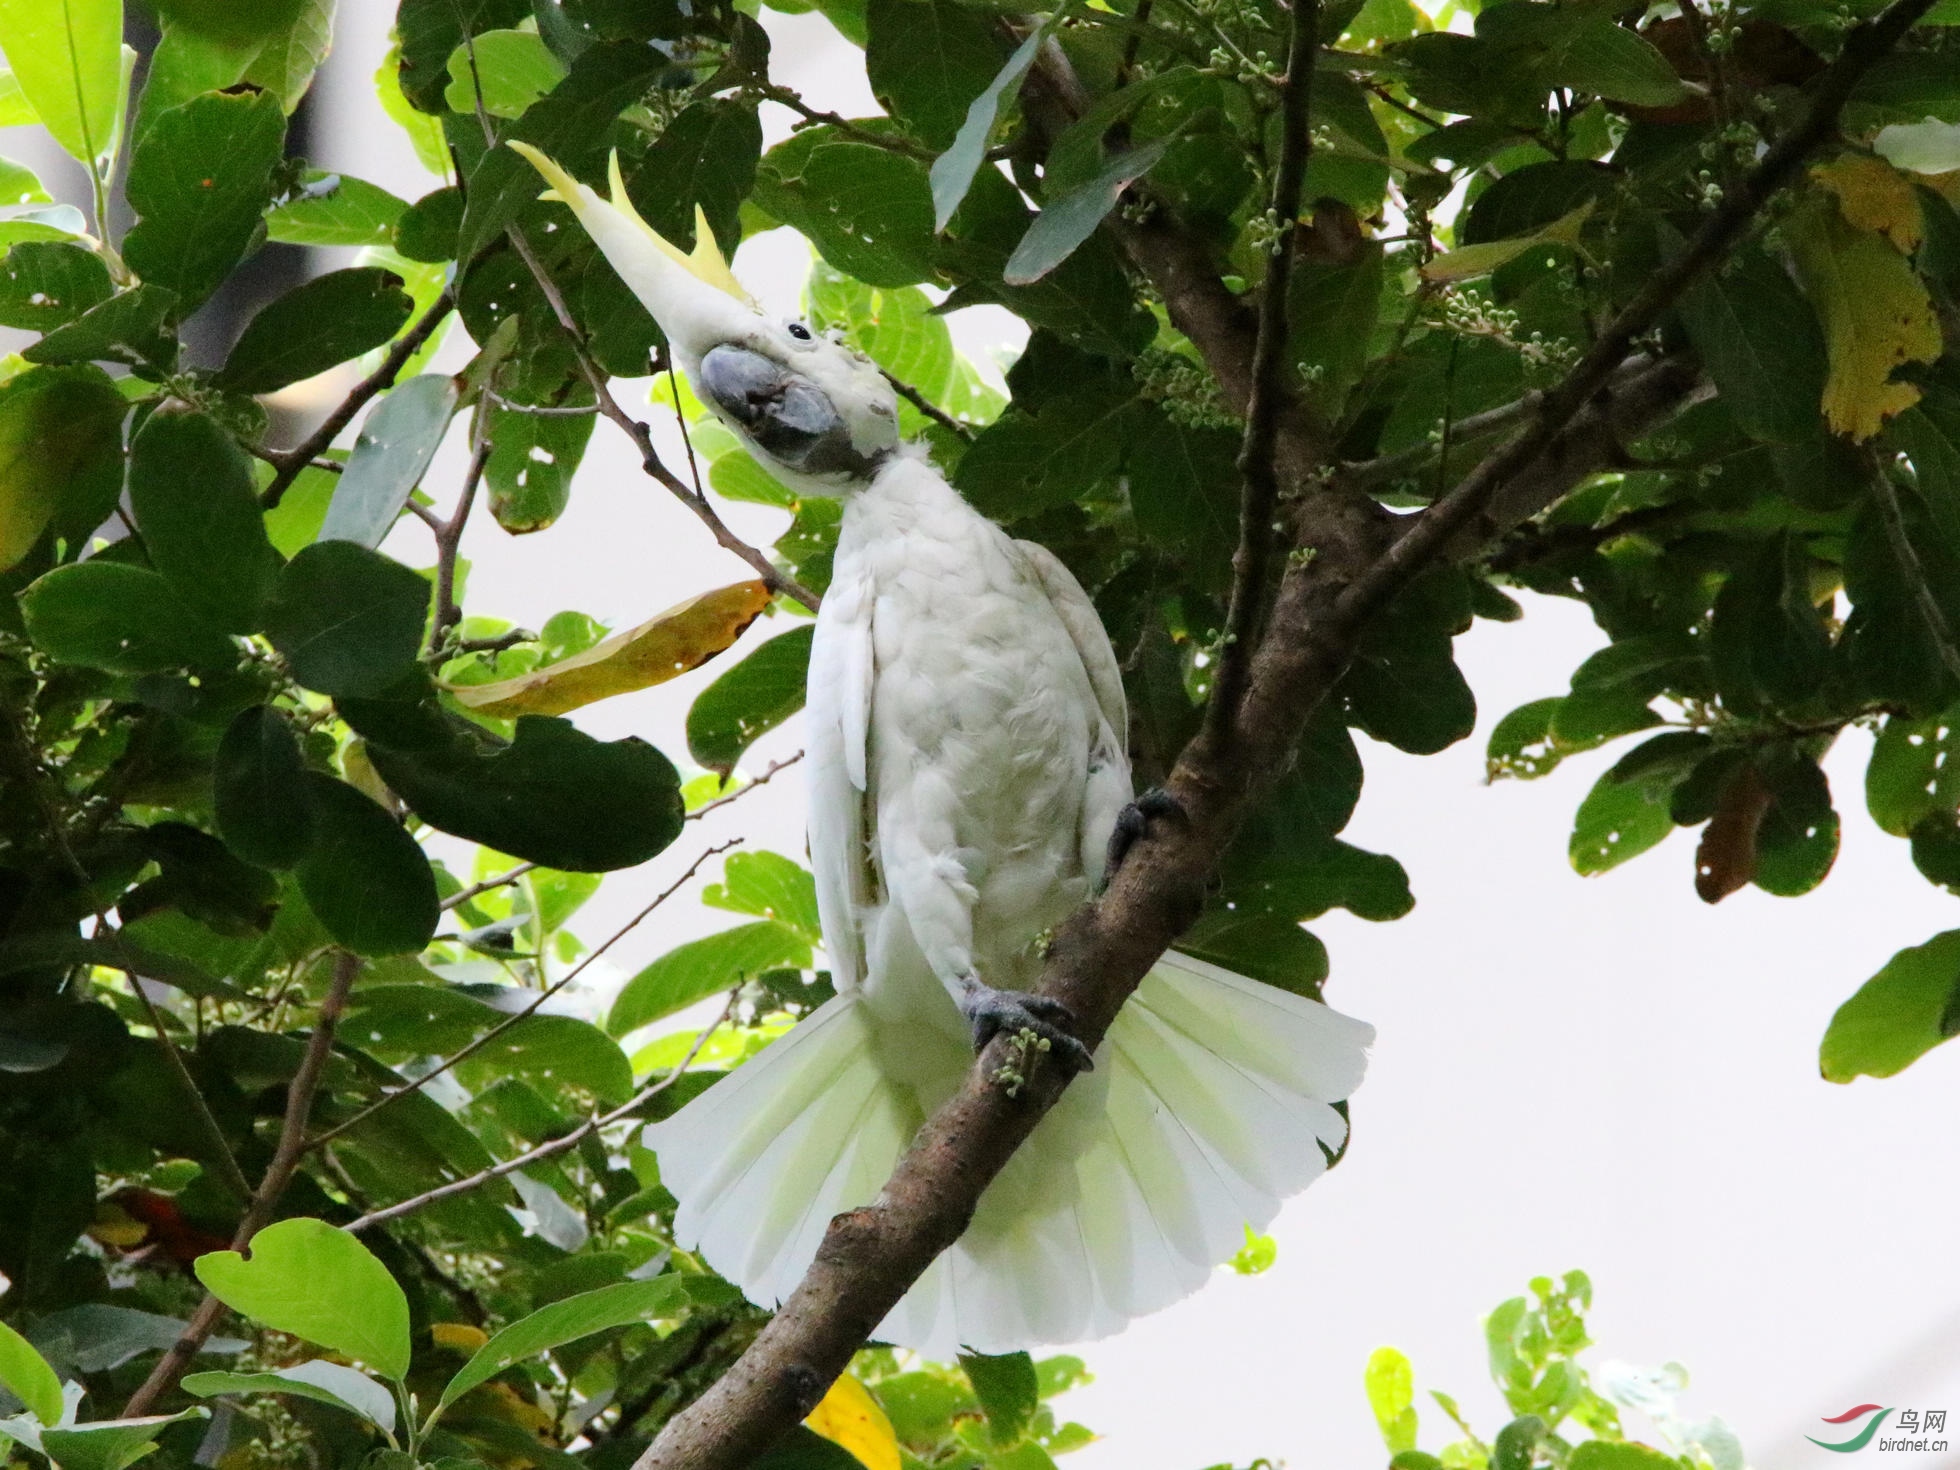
<point x="1085" y="630"/>
<point x="1107" y="774"/>
<point x="838" y="723"/>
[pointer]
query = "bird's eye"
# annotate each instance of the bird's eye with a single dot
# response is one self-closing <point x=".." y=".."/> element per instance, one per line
<point x="800" y="332"/>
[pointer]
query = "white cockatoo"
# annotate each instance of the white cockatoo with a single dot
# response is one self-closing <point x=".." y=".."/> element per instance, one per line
<point x="967" y="766"/>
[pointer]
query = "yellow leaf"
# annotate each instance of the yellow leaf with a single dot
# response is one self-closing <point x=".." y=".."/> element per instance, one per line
<point x="1487" y="255"/>
<point x="461" y="1336"/>
<point x="1873" y="195"/>
<point x="1876" y="313"/>
<point x="683" y="637"/>
<point x="850" y="1417"/>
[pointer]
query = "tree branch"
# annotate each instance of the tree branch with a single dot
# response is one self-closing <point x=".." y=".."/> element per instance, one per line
<point x="1258" y="464"/>
<point x="869" y="1257"/>
<point x="551" y="1147"/>
<point x="302" y="454"/>
<point x="278" y="1174"/>
<point x="736" y="795"/>
<point x="927" y="407"/>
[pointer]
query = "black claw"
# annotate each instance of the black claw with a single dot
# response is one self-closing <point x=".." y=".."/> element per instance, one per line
<point x="990" y="1012"/>
<point x="1133" y="821"/>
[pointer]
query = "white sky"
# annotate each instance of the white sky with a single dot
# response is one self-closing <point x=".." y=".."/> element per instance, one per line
<point x="1599" y="1073"/>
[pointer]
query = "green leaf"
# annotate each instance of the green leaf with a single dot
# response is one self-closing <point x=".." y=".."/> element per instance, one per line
<point x="336" y="209"/>
<point x="532" y="460"/>
<point x="1769" y="645"/>
<point x="316" y="326"/>
<point x="348" y="620"/>
<point x="108" y="1444"/>
<point x="1602" y="1454"/>
<point x="397" y="442"/>
<point x="128" y="620"/>
<point x="66" y="57"/>
<point x="193" y="495"/>
<point x="554" y="795"/>
<point x="364" y="877"/>
<point x="1759" y="340"/>
<point x="1522" y="744"/>
<point x="28" y="1376"/>
<point x="507" y="70"/>
<point x="1261" y="947"/>
<point x="200" y="179"/>
<point x="568" y="125"/>
<point x="705" y="967"/>
<point x="290" y="56"/>
<point x="1515" y="1446"/>
<point x="46" y="285"/>
<point x="748" y="701"/>
<point x="1617" y="820"/>
<point x="1066" y="222"/>
<point x="60" y="440"/>
<point x="187" y="61"/>
<point x="318" y="1380"/>
<point x="1611" y="61"/>
<point x="262" y="800"/>
<point x="308" y="1278"/>
<point x="19" y="184"/>
<point x="580" y="1316"/>
<point x="869" y="212"/>
<point x="768" y="886"/>
<point x="1025" y="463"/>
<point x="1391" y="1388"/>
<point x="1008" y="1392"/>
<point x="926" y="60"/>
<point x="1913" y="772"/>
<point x="1798" y="840"/>
<point x="429" y="30"/>
<point x="127" y="328"/>
<point x="952" y="172"/>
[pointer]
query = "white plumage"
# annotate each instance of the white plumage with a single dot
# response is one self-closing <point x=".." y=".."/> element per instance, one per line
<point x="967" y="764"/>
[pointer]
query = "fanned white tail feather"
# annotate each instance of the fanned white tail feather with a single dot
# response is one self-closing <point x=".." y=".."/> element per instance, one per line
<point x="1211" y="1103"/>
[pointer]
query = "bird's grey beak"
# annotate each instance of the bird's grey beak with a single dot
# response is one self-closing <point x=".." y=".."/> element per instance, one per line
<point x="782" y="412"/>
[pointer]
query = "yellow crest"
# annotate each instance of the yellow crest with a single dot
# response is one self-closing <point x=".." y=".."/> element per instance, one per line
<point x="706" y="264"/>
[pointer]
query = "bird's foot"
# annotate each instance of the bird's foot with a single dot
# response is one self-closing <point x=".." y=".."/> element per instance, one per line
<point x="1047" y="1022"/>
<point x="1133" y="821"/>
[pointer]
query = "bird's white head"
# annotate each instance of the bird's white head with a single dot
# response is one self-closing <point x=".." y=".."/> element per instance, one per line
<point x="809" y="407"/>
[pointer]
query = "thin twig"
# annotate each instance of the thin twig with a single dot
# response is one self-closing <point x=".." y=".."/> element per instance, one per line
<point x="292" y="461"/>
<point x="416" y="1084"/>
<point x="1915" y="570"/>
<point x="449" y="537"/>
<point x="276" y="458"/>
<point x="1259" y="500"/>
<point x="930" y="409"/>
<point x="550" y="1148"/>
<point x="278" y="1174"/>
<point x="456" y="900"/>
<point x="227" y="1161"/>
<point x="843" y="126"/>
<point x="736" y="795"/>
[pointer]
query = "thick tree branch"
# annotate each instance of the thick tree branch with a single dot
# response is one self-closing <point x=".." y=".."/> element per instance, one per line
<point x="1258" y="462"/>
<point x="286" y="1155"/>
<point x="871" y="1256"/>
<point x="292" y="461"/>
